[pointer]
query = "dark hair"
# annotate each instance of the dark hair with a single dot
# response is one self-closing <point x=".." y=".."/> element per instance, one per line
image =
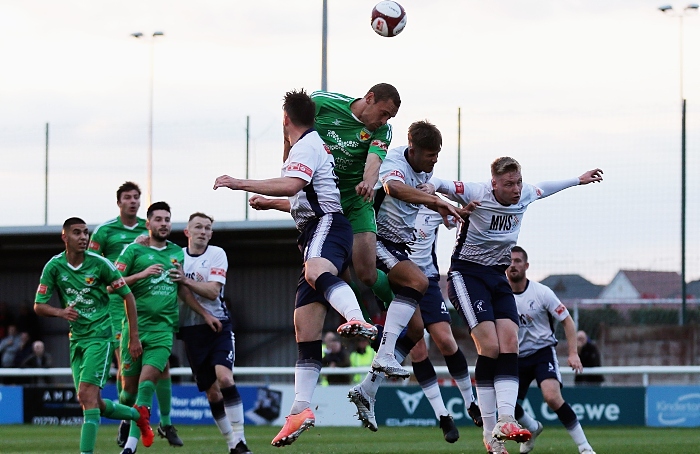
<point x="199" y="214"/>
<point x="157" y="206"/>
<point x="386" y="91"/>
<point x="521" y="250"/>
<point x="425" y="135"/>
<point x="127" y="186"/>
<point x="68" y="223"/>
<point x="299" y="107"/>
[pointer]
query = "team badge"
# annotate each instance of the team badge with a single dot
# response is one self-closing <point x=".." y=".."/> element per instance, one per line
<point x="364" y="135"/>
<point x="89" y="280"/>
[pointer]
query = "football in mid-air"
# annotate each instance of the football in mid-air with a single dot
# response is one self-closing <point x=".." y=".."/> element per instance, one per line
<point x="388" y="18"/>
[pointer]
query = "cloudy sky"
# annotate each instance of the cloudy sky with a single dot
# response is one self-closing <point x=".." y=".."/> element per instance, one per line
<point x="561" y="85"/>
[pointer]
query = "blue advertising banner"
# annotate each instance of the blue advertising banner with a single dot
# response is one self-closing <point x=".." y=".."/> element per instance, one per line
<point x="673" y="406"/>
<point x="594" y="406"/>
<point x="190" y="406"/>
<point x="11" y="407"/>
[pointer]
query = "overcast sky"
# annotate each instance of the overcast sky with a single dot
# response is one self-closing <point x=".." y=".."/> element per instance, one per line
<point x="563" y="86"/>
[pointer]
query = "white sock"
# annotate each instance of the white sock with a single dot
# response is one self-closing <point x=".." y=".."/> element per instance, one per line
<point x="432" y="392"/>
<point x="227" y="431"/>
<point x="371" y="383"/>
<point x="131" y="443"/>
<point x="397" y="318"/>
<point x="506" y="395"/>
<point x="234" y="413"/>
<point x="465" y="388"/>
<point x="305" y="378"/>
<point x="528" y="421"/>
<point x="579" y="437"/>
<point x="487" y="404"/>
<point x="343" y="300"/>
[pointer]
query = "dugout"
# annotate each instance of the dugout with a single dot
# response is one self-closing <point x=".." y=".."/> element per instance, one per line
<point x="264" y="266"/>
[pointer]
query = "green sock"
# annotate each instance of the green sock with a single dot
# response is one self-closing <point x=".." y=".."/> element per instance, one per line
<point x="145" y="398"/>
<point x="382" y="289"/>
<point x="88" y="433"/>
<point x="118" y="411"/>
<point x="164" y="393"/>
<point x="126" y="398"/>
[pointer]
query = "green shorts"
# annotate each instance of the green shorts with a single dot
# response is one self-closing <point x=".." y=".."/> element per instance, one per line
<point x="359" y="213"/>
<point x="90" y="360"/>
<point x="157" y="346"/>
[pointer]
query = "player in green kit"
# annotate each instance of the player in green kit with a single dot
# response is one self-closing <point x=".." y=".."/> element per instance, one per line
<point x="358" y="135"/>
<point x="110" y="239"/>
<point x="148" y="270"/>
<point x="81" y="278"/>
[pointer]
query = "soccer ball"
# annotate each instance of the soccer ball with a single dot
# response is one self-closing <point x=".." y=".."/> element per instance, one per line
<point x="388" y="18"/>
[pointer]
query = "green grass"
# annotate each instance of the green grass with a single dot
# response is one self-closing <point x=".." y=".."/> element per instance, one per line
<point x="27" y="439"/>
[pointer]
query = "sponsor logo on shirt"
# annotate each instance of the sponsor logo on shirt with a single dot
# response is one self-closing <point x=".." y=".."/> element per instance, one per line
<point x="94" y="245"/>
<point x="560" y="309"/>
<point x="396" y="173"/>
<point x="299" y="167"/>
<point x="119" y="283"/>
<point x="364" y="135"/>
<point x="218" y="272"/>
<point x="380" y="144"/>
<point x="42" y="289"/>
<point x="459" y="187"/>
<point x="504" y="223"/>
<point x="327" y="148"/>
<point x="121" y="266"/>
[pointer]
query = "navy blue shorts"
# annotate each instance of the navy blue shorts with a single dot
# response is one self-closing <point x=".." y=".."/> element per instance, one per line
<point x="432" y="306"/>
<point x="541" y="365"/>
<point x="481" y="293"/>
<point x="390" y="254"/>
<point x="330" y="237"/>
<point x="206" y="349"/>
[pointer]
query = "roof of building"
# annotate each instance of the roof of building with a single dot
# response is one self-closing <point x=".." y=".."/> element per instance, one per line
<point x="572" y="286"/>
<point x="654" y="284"/>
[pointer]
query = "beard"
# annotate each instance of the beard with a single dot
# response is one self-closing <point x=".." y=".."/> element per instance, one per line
<point x="517" y="277"/>
<point x="158" y="236"/>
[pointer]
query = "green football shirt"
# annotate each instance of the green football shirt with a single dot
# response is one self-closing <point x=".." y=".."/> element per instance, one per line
<point x="85" y="288"/>
<point x="110" y="238"/>
<point x="156" y="296"/>
<point x="348" y="138"/>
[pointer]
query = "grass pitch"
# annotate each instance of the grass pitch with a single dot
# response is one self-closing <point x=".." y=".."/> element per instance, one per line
<point x="27" y="439"/>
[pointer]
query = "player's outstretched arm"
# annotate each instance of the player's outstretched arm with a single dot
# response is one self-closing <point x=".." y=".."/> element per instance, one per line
<point x="258" y="202"/>
<point x="135" y="348"/>
<point x="402" y="191"/>
<point x="592" y="176"/>
<point x="208" y="289"/>
<point x="46" y="310"/>
<point x="370" y="177"/>
<point x="186" y="295"/>
<point x="275" y="187"/>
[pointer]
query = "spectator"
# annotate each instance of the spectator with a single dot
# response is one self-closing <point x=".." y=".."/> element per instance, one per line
<point x="590" y="357"/>
<point x="25" y="349"/>
<point x="6" y="319"/>
<point x="334" y="355"/>
<point x="38" y="359"/>
<point x="361" y="356"/>
<point x="9" y="347"/>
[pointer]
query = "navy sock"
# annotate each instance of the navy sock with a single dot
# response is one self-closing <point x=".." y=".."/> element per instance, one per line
<point x="507" y="366"/>
<point x="519" y="411"/>
<point x="310" y="351"/>
<point x="424" y="372"/>
<point x="217" y="410"/>
<point x="326" y="282"/>
<point x="567" y="416"/>
<point x="485" y="370"/>
<point x="457" y="364"/>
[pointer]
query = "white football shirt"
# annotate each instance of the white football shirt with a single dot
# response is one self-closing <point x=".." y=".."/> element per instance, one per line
<point x="210" y="266"/>
<point x="395" y="218"/>
<point x="538" y="307"/>
<point x="423" y="248"/>
<point x="311" y="160"/>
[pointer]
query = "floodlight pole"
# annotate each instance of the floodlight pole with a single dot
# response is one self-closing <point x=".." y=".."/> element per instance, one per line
<point x="324" y="48"/>
<point x="149" y="165"/>
<point x="688" y="10"/>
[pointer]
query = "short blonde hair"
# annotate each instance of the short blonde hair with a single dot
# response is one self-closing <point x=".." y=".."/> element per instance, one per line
<point x="504" y="165"/>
